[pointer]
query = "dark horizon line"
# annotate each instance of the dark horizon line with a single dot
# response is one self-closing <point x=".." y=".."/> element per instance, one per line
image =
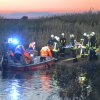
<point x="37" y="15"/>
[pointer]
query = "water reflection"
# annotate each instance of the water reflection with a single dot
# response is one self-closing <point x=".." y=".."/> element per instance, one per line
<point x="36" y="85"/>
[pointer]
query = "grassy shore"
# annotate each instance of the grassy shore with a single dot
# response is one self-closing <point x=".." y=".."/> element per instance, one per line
<point x="67" y="72"/>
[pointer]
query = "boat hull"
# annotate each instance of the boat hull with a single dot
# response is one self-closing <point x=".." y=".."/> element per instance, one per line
<point x="28" y="67"/>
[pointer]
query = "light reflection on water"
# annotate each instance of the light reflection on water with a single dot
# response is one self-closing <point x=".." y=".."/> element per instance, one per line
<point x="34" y="85"/>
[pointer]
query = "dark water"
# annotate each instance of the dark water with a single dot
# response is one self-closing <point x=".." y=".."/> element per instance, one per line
<point x="33" y="85"/>
<point x="42" y="84"/>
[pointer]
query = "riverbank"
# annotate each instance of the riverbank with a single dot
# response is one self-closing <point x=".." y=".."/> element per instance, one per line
<point x="66" y="73"/>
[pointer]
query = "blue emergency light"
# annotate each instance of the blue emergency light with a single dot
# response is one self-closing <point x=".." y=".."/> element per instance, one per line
<point x="13" y="41"/>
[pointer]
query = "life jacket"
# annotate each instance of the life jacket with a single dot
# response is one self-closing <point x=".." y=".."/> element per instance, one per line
<point x="27" y="57"/>
<point x="45" y="51"/>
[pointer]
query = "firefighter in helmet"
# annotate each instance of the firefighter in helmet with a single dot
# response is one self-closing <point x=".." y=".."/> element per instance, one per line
<point x="92" y="46"/>
<point x="74" y="47"/>
<point x="84" y="42"/>
<point x="63" y="44"/>
<point x="56" y="48"/>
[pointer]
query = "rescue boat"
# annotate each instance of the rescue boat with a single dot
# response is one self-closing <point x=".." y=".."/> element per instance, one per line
<point x="26" y="67"/>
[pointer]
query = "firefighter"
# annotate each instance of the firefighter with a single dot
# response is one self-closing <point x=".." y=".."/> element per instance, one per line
<point x="84" y="42"/>
<point x="92" y="46"/>
<point x="63" y="44"/>
<point x="73" y="49"/>
<point x="51" y="40"/>
<point x="56" y="48"/>
<point x="45" y="52"/>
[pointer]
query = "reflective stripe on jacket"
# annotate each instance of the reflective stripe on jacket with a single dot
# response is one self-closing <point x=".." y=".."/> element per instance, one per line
<point x="55" y="48"/>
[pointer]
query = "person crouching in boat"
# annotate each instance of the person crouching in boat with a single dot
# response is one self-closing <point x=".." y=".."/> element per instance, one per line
<point x="45" y="52"/>
<point x="32" y="49"/>
<point x="18" y="54"/>
<point x="27" y="57"/>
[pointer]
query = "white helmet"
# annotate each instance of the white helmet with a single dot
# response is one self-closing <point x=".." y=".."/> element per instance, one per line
<point x="85" y="34"/>
<point x="52" y="36"/>
<point x="71" y="35"/>
<point x="93" y="33"/>
<point x="58" y="38"/>
<point x="63" y="34"/>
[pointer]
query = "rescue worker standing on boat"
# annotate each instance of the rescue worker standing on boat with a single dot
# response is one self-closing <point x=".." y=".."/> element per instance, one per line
<point x="85" y="43"/>
<point x="56" y="48"/>
<point x="92" y="46"/>
<point x="45" y="52"/>
<point x="73" y="49"/>
<point x="63" y="44"/>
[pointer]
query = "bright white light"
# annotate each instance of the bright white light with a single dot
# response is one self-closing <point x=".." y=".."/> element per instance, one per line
<point x="13" y="41"/>
<point x="31" y="55"/>
<point x="10" y="40"/>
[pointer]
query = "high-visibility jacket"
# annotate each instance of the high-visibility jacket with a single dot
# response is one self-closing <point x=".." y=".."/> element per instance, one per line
<point x="55" y="47"/>
<point x="45" y="51"/>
